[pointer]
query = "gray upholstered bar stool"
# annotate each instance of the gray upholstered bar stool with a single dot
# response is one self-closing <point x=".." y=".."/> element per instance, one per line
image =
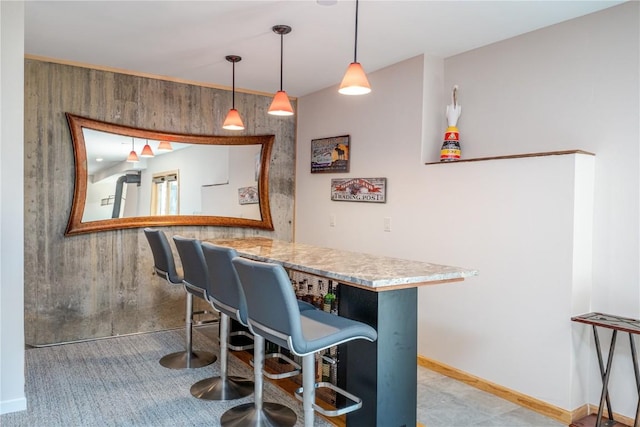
<point x="165" y="267"/>
<point x="225" y="295"/>
<point x="194" y="269"/>
<point x="274" y="315"/>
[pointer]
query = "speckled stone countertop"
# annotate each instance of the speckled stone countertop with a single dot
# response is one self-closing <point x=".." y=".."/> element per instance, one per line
<point x="363" y="270"/>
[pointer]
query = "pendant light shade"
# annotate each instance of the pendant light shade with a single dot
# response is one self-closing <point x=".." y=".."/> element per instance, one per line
<point x="146" y="151"/>
<point x="133" y="157"/>
<point x="165" y="146"/>
<point x="355" y="80"/>
<point x="233" y="120"/>
<point x="281" y="106"/>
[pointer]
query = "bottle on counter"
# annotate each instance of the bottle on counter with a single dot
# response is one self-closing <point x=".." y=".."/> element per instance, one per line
<point x="308" y="297"/>
<point x="334" y="303"/>
<point x="318" y="297"/>
<point x="326" y="366"/>
<point x="329" y="298"/>
<point x="301" y="290"/>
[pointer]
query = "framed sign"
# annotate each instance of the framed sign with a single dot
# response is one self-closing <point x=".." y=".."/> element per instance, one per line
<point x="248" y="195"/>
<point x="359" y="190"/>
<point x="330" y="154"/>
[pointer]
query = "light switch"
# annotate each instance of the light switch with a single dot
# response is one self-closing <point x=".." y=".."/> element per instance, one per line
<point x="332" y="220"/>
<point x="387" y="224"/>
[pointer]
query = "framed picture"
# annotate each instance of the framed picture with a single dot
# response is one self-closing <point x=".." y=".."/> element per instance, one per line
<point x="248" y="195"/>
<point x="330" y="154"/>
<point x="372" y="190"/>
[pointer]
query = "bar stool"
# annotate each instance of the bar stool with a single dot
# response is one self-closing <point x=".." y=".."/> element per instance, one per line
<point x="225" y="296"/>
<point x="274" y="315"/>
<point x="165" y="267"/>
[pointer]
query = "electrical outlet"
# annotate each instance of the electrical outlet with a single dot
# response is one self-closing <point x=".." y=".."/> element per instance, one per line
<point x="332" y="220"/>
<point x="387" y="224"/>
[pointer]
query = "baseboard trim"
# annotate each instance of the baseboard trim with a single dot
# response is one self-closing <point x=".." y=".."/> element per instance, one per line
<point x="13" y="405"/>
<point x="543" y="408"/>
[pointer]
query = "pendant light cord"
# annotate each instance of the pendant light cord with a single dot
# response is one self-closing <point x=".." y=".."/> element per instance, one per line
<point x="233" y="86"/>
<point x="355" y="45"/>
<point x="281" y="58"/>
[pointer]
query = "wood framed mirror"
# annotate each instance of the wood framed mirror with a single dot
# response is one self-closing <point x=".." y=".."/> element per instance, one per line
<point x="194" y="180"/>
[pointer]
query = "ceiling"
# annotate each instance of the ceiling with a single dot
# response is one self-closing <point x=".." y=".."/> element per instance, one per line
<point x="189" y="39"/>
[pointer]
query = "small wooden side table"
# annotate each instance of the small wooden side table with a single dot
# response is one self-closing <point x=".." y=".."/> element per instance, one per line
<point x="616" y="323"/>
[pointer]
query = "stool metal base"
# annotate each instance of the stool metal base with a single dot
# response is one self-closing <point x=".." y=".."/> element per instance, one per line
<point x="247" y="415"/>
<point x="180" y="360"/>
<point x="218" y="388"/>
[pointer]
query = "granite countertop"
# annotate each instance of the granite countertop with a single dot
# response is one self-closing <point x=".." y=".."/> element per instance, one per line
<point x="355" y="268"/>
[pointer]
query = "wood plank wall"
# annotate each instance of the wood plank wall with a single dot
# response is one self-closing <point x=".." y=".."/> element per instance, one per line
<point x="100" y="284"/>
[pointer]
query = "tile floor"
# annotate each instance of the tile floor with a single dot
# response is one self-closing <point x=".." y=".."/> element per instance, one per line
<point x="445" y="402"/>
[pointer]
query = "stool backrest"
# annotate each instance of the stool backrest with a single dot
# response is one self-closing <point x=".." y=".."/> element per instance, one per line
<point x="194" y="266"/>
<point x="163" y="261"/>
<point x="224" y="289"/>
<point x="272" y="305"/>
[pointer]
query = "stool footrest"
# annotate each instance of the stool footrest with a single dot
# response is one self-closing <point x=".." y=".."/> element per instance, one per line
<point x="338" y="390"/>
<point x="240" y="347"/>
<point x="297" y="369"/>
<point x="205" y="313"/>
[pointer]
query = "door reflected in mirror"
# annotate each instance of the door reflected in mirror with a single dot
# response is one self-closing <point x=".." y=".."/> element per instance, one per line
<point x="128" y="177"/>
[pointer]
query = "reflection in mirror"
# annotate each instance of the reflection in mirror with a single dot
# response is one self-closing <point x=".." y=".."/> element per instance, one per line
<point x="128" y="177"/>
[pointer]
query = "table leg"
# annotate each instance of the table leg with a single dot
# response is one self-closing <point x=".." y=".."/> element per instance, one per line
<point x="634" y="358"/>
<point x="605" y="374"/>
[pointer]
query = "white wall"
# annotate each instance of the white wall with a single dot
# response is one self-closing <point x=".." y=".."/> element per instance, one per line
<point x="571" y="86"/>
<point x="12" y="396"/>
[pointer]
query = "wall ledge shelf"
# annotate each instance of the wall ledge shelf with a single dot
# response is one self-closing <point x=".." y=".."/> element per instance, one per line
<point x="516" y="156"/>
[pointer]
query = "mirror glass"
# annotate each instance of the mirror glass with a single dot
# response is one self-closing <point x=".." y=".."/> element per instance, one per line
<point x="129" y="177"/>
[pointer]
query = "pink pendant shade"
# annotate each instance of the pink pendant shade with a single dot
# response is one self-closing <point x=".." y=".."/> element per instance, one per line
<point x="165" y="146"/>
<point x="133" y="157"/>
<point x="280" y="106"/>
<point x="355" y="81"/>
<point x="146" y="151"/>
<point x="233" y="121"/>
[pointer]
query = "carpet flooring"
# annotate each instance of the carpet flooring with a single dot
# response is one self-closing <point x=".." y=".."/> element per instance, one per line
<point x="119" y="382"/>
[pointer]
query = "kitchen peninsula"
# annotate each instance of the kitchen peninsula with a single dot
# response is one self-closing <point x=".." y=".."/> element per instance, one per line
<point x="379" y="291"/>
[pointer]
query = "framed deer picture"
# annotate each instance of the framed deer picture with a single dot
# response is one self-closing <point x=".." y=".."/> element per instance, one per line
<point x="330" y="154"/>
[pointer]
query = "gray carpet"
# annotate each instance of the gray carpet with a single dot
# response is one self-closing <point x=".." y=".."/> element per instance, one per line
<point x="119" y="382"/>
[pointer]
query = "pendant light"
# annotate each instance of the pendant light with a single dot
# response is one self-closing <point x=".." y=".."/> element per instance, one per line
<point x="165" y="146"/>
<point x="133" y="157"/>
<point x="146" y="150"/>
<point x="233" y="120"/>
<point x="280" y="106"/>
<point x="355" y="80"/>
